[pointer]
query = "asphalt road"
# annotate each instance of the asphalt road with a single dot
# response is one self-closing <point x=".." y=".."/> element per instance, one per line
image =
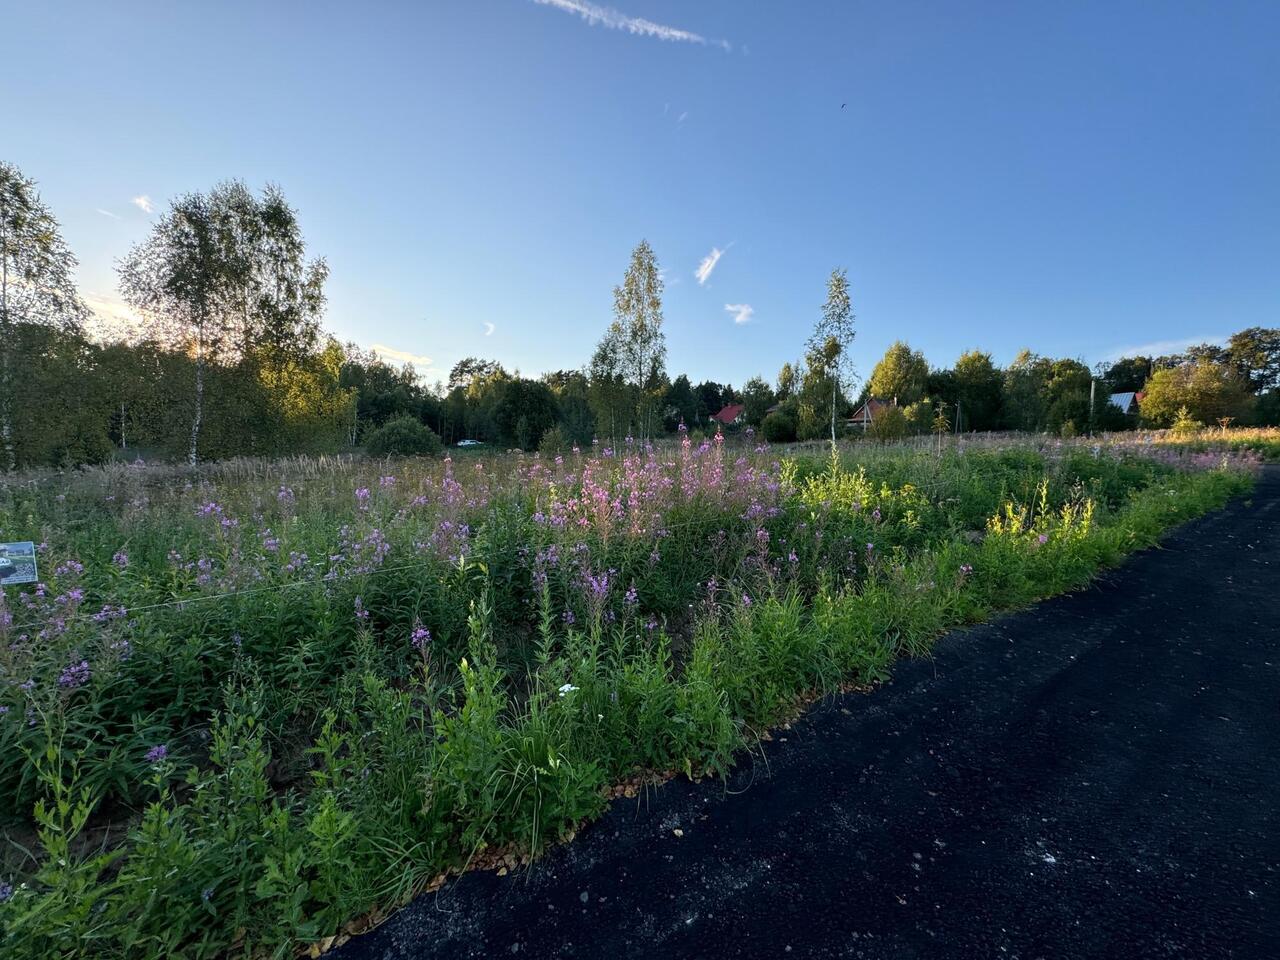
<point x="1098" y="776"/>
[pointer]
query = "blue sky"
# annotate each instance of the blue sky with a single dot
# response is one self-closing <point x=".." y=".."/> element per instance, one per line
<point x="1078" y="178"/>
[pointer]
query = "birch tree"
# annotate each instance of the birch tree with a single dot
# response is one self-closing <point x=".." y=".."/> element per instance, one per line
<point x="223" y="276"/>
<point x="831" y="338"/>
<point x="178" y="280"/>
<point x="36" y="285"/>
<point x="637" y="329"/>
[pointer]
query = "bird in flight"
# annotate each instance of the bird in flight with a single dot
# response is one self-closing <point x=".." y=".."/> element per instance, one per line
<point x="843" y="105"/>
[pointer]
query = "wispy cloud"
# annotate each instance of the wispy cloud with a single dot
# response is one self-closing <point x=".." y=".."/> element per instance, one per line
<point x="488" y="329"/>
<point x="108" y="213"/>
<point x="598" y="16"/>
<point x="682" y="117"/>
<point x="143" y="203"/>
<point x="421" y="363"/>
<point x="1160" y="348"/>
<point x="742" y="312"/>
<point x="703" y="273"/>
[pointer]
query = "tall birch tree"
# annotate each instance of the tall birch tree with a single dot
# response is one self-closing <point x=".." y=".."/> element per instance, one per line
<point x="831" y="338"/>
<point x="36" y="285"/>
<point x="637" y="329"/>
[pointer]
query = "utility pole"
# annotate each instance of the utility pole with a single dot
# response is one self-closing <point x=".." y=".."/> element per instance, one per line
<point x="1093" y="385"/>
<point x="957" y="418"/>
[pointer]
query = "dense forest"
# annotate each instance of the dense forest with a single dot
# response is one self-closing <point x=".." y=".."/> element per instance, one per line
<point x="233" y="360"/>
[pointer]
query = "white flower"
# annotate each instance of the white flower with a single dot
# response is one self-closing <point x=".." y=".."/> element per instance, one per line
<point x="567" y="688"/>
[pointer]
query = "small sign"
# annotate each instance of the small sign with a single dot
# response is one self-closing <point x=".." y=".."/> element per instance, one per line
<point x="17" y="563"/>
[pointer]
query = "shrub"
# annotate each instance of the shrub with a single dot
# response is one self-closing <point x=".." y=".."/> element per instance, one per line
<point x="553" y="442"/>
<point x="1184" y="424"/>
<point x="403" y="437"/>
<point x="889" y="424"/>
<point x="919" y="417"/>
<point x="778" y="428"/>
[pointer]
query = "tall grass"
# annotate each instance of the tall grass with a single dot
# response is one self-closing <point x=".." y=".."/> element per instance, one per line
<point x="256" y="702"/>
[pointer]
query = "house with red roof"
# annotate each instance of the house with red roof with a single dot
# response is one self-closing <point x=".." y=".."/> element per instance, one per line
<point x="733" y="413"/>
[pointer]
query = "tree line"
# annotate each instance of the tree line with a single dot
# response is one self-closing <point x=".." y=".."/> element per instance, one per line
<point x="1208" y="383"/>
<point x="232" y="359"/>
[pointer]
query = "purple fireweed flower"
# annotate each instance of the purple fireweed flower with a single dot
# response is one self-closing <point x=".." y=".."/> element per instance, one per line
<point x="3" y="710"/>
<point x="121" y="559"/>
<point x="746" y="600"/>
<point x="6" y="891"/>
<point x="75" y="675"/>
<point x="27" y="686"/>
<point x="966" y="569"/>
<point x="1043" y="539"/>
<point x="420" y="638"/>
<point x="875" y="514"/>
<point x="361" y="613"/>
<point x="109" y="613"/>
<point x="157" y="753"/>
<point x="597" y="584"/>
<point x="569" y="618"/>
<point x="632" y="598"/>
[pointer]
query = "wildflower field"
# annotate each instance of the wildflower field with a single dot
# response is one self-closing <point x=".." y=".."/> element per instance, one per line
<point x="252" y="705"/>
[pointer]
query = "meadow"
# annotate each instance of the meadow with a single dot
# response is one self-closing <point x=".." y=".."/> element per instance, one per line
<point x="252" y="706"/>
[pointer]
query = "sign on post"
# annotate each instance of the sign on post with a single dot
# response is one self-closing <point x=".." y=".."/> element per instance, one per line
<point x="17" y="563"/>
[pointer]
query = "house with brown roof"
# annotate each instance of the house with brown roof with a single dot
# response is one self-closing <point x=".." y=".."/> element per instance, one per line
<point x="863" y="417"/>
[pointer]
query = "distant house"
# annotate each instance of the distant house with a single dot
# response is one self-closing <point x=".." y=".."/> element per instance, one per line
<point x="730" y="415"/>
<point x="864" y="416"/>
<point x="1127" y="402"/>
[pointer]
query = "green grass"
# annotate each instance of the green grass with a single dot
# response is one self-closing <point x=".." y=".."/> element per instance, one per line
<point x="321" y="765"/>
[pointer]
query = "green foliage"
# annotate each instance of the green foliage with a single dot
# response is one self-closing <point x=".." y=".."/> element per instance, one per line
<point x="902" y="374"/>
<point x="1207" y="390"/>
<point x="403" y="437"/>
<point x="1184" y="424"/>
<point x="778" y="428"/>
<point x="757" y="397"/>
<point x="919" y="417"/>
<point x="553" y="442"/>
<point x="365" y="680"/>
<point x="979" y="390"/>
<point x="889" y="424"/>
